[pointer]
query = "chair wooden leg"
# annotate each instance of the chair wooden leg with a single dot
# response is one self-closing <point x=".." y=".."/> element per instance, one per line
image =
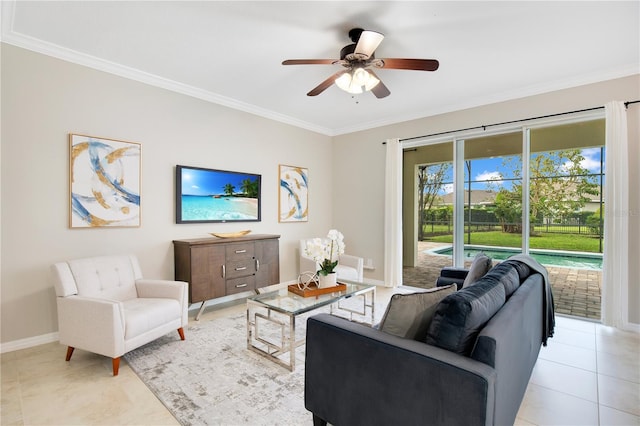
<point x="69" y="353"/>
<point x="181" y="333"/>
<point x="116" y="365"/>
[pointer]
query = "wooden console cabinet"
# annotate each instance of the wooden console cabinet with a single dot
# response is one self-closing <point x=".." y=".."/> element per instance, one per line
<point x="216" y="267"/>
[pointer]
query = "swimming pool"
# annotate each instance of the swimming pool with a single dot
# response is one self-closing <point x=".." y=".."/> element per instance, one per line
<point x="565" y="259"/>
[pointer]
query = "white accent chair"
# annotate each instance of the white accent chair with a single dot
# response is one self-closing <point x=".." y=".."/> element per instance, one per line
<point x="349" y="267"/>
<point x="106" y="307"/>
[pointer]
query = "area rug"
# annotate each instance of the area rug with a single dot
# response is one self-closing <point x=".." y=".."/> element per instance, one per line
<point x="211" y="378"/>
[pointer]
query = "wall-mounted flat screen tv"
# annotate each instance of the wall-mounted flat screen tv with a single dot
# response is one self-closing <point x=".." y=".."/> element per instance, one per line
<point x="210" y="195"/>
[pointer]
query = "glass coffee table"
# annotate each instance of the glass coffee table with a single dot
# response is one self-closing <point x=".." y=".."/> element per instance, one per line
<point x="271" y="317"/>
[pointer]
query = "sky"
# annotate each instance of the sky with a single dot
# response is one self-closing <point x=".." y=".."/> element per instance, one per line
<point x="211" y="182"/>
<point x="489" y="169"/>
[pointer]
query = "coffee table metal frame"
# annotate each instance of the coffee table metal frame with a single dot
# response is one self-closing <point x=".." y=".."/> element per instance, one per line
<point x="267" y="306"/>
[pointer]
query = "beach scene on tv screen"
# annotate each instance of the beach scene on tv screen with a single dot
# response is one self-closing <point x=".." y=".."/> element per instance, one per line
<point x="219" y="195"/>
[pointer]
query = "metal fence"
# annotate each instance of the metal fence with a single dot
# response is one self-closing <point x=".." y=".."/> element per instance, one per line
<point x="576" y="226"/>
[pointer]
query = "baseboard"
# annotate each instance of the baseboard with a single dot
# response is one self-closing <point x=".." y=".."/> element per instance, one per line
<point x="29" y="342"/>
<point x="631" y="326"/>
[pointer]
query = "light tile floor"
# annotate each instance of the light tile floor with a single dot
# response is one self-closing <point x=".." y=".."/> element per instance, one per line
<point x="588" y="375"/>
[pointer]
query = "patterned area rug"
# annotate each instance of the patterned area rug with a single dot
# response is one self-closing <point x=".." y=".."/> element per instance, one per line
<point x="211" y="378"/>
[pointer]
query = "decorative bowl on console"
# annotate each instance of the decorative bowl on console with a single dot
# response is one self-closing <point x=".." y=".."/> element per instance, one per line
<point x="230" y="234"/>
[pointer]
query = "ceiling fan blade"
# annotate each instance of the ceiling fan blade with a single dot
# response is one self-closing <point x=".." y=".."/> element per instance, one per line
<point x="309" y="61"/>
<point x="380" y="90"/>
<point x="411" y="64"/>
<point x="325" y="84"/>
<point x="368" y="43"/>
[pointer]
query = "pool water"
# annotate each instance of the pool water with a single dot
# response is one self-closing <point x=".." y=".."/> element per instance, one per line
<point x="548" y="258"/>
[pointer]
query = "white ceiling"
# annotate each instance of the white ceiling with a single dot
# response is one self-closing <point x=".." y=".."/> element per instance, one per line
<point x="230" y="52"/>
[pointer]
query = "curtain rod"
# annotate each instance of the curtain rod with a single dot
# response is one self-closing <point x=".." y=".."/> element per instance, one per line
<point x="484" y="127"/>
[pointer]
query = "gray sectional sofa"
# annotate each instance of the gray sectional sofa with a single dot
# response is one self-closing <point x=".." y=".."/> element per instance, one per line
<point x="472" y="368"/>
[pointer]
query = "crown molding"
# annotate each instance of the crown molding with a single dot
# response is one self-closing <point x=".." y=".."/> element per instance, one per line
<point x="7" y="35"/>
<point x="50" y="49"/>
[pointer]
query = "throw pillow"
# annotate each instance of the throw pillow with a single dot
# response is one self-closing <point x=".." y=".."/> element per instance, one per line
<point x="480" y="266"/>
<point x="460" y="316"/>
<point x="409" y="315"/>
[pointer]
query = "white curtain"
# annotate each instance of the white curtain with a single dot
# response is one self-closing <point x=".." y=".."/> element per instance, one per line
<point x="615" y="279"/>
<point x="393" y="215"/>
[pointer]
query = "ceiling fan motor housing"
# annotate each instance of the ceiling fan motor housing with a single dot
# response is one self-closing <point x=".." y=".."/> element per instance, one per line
<point x="347" y="50"/>
<point x="346" y="54"/>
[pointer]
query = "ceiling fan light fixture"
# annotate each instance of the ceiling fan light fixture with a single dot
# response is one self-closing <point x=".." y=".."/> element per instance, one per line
<point x="357" y="81"/>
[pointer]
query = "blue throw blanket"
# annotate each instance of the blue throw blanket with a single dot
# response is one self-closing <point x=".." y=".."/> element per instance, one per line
<point x="548" y="317"/>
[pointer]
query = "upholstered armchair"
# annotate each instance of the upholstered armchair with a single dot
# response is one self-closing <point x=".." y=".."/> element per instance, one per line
<point x="349" y="267"/>
<point x="106" y="307"/>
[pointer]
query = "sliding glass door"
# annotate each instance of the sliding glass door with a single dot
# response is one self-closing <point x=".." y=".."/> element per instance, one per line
<point x="566" y="211"/>
<point x="534" y="189"/>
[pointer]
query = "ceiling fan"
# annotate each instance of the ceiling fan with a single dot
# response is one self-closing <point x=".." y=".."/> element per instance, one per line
<point x="358" y="61"/>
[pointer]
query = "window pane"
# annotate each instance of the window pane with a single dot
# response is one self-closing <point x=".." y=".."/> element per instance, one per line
<point x="493" y="195"/>
<point x="428" y="172"/>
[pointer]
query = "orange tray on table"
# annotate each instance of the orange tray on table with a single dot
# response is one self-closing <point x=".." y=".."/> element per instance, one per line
<point x="313" y="289"/>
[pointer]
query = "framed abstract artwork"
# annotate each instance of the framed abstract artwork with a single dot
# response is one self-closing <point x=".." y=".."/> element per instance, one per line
<point x="104" y="180"/>
<point x="293" y="198"/>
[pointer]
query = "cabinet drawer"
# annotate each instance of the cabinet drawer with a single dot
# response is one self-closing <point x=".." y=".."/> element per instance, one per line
<point x="238" y="285"/>
<point x="240" y="268"/>
<point x="240" y="251"/>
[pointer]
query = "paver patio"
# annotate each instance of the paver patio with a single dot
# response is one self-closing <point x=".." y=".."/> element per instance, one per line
<point x="576" y="292"/>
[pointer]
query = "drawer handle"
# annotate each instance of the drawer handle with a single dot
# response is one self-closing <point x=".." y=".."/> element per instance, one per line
<point x="241" y="285"/>
<point x="241" y="268"/>
<point x="241" y="251"/>
<point x="257" y="265"/>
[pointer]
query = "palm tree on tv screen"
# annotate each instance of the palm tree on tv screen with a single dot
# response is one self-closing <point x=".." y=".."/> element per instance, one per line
<point x="250" y="188"/>
<point x="229" y="189"/>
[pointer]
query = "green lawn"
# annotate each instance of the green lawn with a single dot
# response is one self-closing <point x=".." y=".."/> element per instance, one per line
<point x="570" y="242"/>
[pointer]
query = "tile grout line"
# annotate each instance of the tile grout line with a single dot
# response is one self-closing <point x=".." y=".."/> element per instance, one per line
<point x="595" y="341"/>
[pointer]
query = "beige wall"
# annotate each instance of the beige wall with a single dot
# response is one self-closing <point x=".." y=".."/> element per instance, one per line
<point x="44" y="99"/>
<point x="369" y="163"/>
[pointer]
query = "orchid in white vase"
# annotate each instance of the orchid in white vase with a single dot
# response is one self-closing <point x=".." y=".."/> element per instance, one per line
<point x="326" y="251"/>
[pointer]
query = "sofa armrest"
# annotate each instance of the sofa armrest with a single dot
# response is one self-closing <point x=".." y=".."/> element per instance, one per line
<point x="453" y="272"/>
<point x="444" y="282"/>
<point x="451" y="275"/>
<point x="177" y="290"/>
<point x="103" y="335"/>
<point x="358" y="375"/>
<point x="161" y="288"/>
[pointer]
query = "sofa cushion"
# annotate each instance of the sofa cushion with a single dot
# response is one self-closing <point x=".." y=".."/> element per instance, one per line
<point x="460" y="316"/>
<point x="523" y="270"/>
<point x="145" y="314"/>
<point x="507" y="275"/>
<point x="409" y="315"/>
<point x="480" y="266"/>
